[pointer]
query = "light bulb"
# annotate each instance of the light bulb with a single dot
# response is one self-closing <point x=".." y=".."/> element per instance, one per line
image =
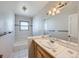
<point x="49" y="12"/>
<point x="58" y="11"/>
<point x="53" y="14"/>
<point x="54" y="9"/>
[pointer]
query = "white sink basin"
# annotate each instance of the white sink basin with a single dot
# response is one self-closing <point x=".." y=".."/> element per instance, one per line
<point x="54" y="47"/>
<point x="58" y="50"/>
<point x="67" y="53"/>
<point x="47" y="43"/>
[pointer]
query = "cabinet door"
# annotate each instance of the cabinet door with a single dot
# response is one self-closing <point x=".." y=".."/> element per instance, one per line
<point x="42" y="53"/>
<point x="73" y="28"/>
<point x="39" y="55"/>
<point x="32" y="49"/>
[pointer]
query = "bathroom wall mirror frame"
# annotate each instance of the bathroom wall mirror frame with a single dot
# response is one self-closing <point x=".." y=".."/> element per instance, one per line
<point x="68" y="20"/>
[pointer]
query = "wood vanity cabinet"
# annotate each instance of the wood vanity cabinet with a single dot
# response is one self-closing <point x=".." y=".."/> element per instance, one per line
<point x="38" y="52"/>
<point x="32" y="50"/>
<point x="42" y="53"/>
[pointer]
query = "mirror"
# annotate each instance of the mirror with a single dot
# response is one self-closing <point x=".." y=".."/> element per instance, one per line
<point x="64" y="25"/>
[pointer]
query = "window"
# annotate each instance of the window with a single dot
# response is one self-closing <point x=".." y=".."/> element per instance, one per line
<point x="24" y="25"/>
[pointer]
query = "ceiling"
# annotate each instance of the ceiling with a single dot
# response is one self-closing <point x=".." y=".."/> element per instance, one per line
<point x="33" y="7"/>
<point x="71" y="7"/>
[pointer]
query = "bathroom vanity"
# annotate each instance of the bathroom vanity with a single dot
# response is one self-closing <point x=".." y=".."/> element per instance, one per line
<point x="45" y="48"/>
<point x="38" y="51"/>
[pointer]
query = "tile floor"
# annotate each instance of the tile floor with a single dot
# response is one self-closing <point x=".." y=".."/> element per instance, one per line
<point x="20" y="51"/>
<point x="21" y="54"/>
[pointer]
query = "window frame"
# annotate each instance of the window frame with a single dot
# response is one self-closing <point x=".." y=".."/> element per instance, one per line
<point x="21" y="25"/>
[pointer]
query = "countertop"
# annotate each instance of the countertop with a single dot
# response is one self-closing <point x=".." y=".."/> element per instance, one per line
<point x="55" y="49"/>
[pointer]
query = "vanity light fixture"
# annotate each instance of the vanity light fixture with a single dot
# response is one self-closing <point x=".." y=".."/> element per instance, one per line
<point x="50" y="12"/>
<point x="53" y="14"/>
<point x="56" y="10"/>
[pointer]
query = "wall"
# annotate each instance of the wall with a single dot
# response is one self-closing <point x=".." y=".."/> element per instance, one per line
<point x="38" y="26"/>
<point x="60" y="22"/>
<point x="7" y="21"/>
<point x="22" y="35"/>
<point x="45" y="23"/>
<point x="41" y="26"/>
<point x="56" y="23"/>
<point x="7" y="41"/>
